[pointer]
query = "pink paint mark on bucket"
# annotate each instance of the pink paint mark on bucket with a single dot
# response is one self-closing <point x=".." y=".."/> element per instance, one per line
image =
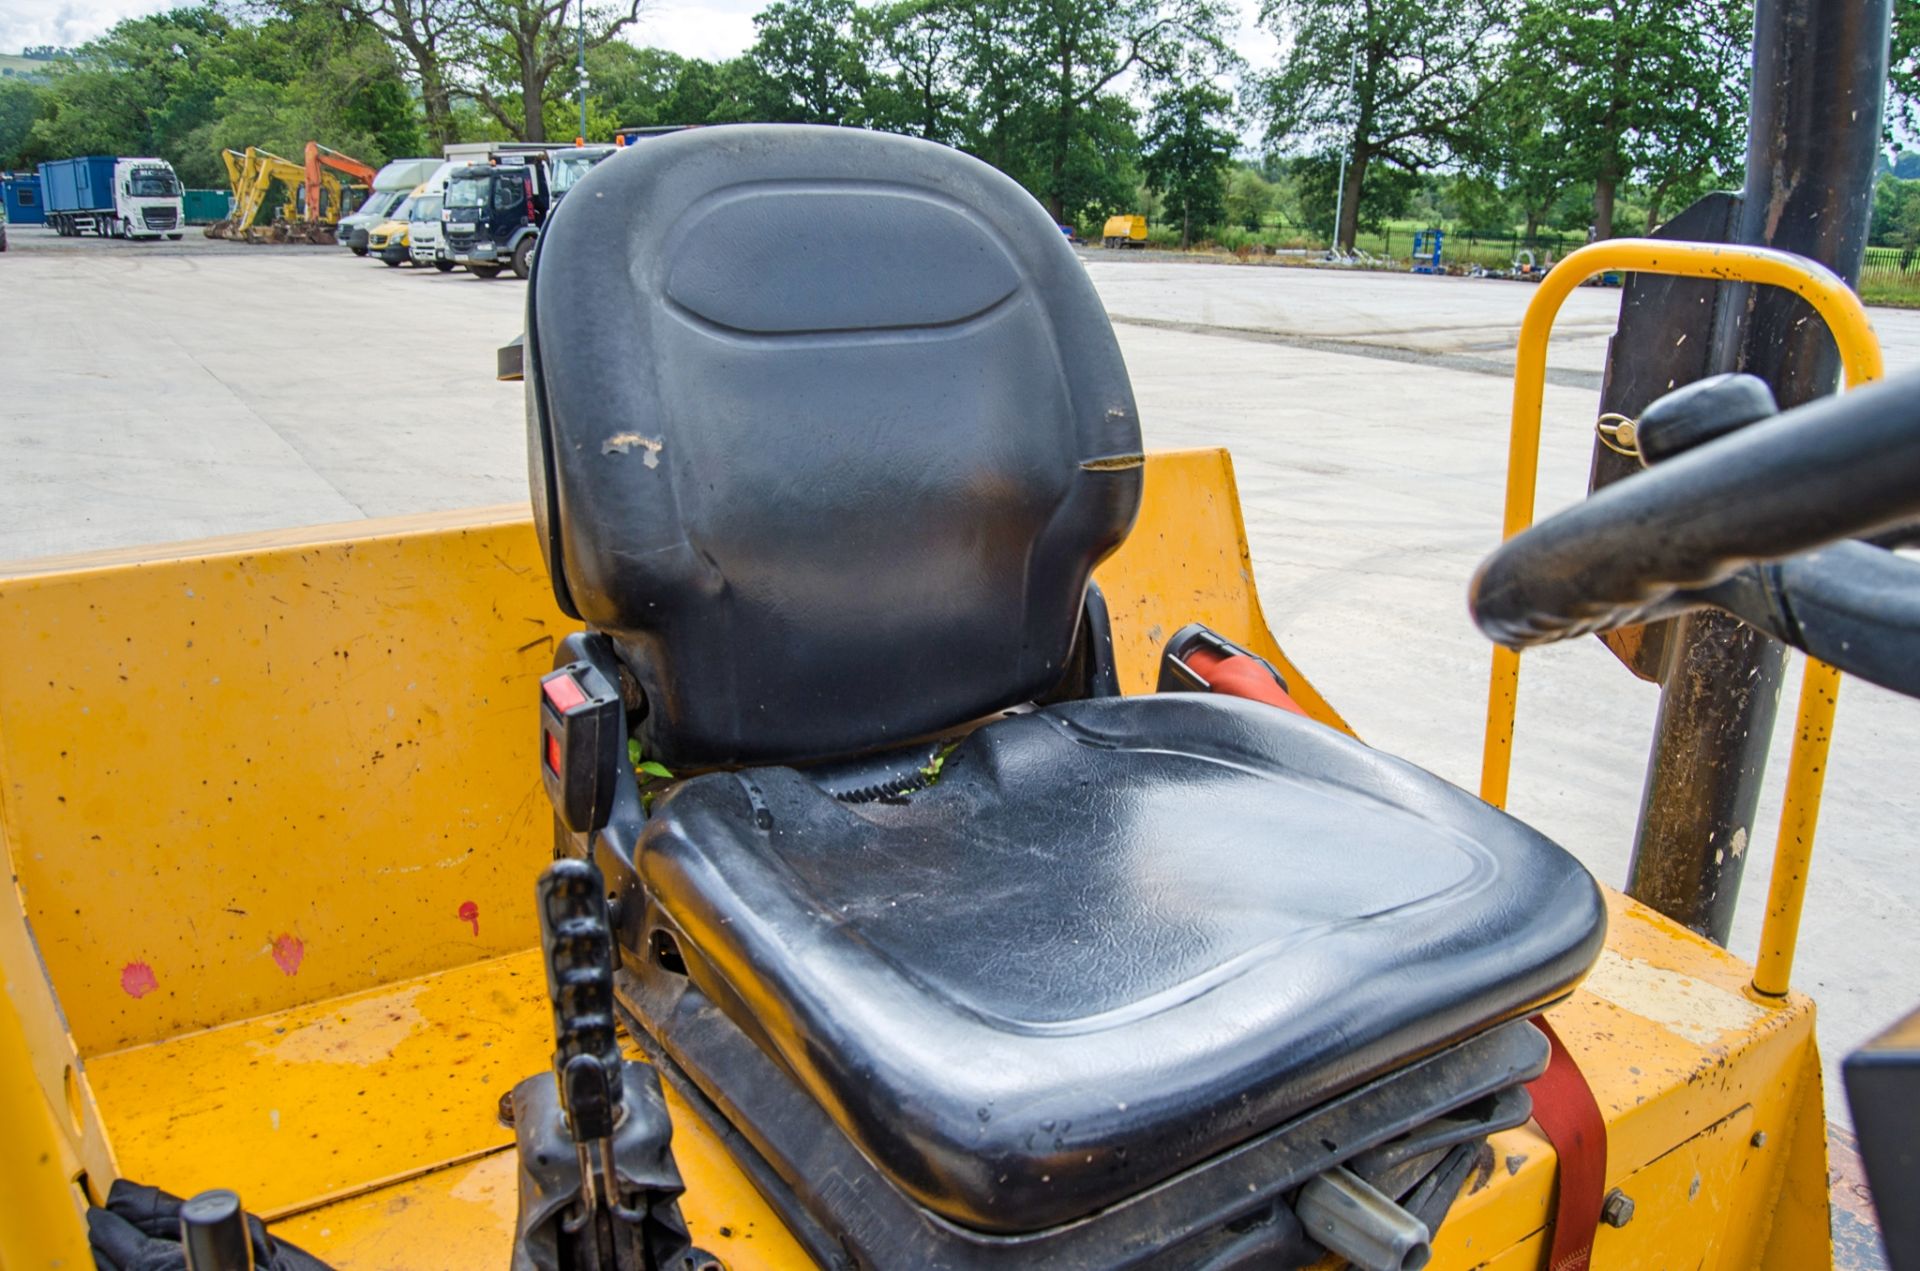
<point x="138" y="979"/>
<point x="470" y="913"/>
<point x="288" y="952"/>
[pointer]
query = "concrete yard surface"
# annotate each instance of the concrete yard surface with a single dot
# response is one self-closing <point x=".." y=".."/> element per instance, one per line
<point x="174" y="391"/>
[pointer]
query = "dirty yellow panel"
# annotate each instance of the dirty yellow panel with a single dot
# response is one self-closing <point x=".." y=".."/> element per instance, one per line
<point x="1673" y="1049"/>
<point x="1684" y="1199"/>
<point x="456" y="1219"/>
<point x="462" y="1217"/>
<point x="43" y="1115"/>
<point x="1187" y="561"/>
<point x="245" y="778"/>
<point x="328" y="1099"/>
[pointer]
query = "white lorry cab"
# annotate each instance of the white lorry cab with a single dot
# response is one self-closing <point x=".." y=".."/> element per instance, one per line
<point x="425" y="242"/>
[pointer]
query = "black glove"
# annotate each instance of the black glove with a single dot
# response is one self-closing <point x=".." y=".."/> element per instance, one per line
<point x="139" y="1230"/>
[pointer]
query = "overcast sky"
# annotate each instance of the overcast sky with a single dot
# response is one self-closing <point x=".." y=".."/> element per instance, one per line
<point x="695" y="28"/>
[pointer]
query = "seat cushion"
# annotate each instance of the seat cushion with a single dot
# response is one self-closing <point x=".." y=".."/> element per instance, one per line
<point x="1115" y="938"/>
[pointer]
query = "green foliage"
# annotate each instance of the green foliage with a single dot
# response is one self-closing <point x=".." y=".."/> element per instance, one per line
<point x="1896" y="214"/>
<point x="20" y="107"/>
<point x="1477" y="204"/>
<point x="812" y="54"/>
<point x="1187" y="155"/>
<point x="1393" y="83"/>
<point x="652" y="88"/>
<point x="1650" y="91"/>
<point x="1314" y="182"/>
<point x="918" y="88"/>
<point x="1249" y="198"/>
<point x="144" y="88"/>
<point x="517" y="58"/>
<point x="185" y="84"/>
<point x="1903" y="71"/>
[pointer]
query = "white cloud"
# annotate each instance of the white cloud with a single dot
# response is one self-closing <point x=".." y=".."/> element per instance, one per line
<point x="25" y="23"/>
<point x="713" y="29"/>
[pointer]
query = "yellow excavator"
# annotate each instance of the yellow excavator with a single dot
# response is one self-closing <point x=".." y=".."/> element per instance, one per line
<point x="314" y="195"/>
<point x="859" y="817"/>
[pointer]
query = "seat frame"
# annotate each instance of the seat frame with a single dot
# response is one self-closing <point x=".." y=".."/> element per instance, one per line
<point x="1234" y="1210"/>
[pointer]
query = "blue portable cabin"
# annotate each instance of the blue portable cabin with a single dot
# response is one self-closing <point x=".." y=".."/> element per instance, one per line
<point x="21" y="192"/>
<point x="84" y="184"/>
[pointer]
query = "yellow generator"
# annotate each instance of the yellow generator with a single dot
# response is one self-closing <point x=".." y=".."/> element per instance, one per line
<point x="1124" y="231"/>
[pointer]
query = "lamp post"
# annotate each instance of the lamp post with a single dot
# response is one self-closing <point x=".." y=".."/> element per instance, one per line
<point x="580" y="68"/>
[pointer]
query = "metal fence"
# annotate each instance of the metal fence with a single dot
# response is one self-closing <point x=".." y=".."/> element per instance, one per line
<point x="1891" y="275"/>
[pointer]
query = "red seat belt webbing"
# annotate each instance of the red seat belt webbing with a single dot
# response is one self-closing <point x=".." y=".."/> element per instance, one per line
<point x="1569" y="1115"/>
<point x="1240" y="677"/>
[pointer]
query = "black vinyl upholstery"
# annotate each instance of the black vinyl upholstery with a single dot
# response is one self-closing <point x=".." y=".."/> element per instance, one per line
<point x="1116" y="938"/>
<point x="828" y="432"/>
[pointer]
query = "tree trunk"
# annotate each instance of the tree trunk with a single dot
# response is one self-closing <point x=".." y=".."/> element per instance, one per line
<point x="438" y="105"/>
<point x="1533" y="225"/>
<point x="1186" y="226"/>
<point x="1349" y="227"/>
<point x="533" y="91"/>
<point x="1062" y="138"/>
<point x="1603" y="208"/>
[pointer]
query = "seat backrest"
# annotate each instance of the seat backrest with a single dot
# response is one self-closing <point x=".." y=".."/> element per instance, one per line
<point x="828" y="430"/>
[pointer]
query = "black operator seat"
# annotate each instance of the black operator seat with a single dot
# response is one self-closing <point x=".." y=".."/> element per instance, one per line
<point x="829" y="432"/>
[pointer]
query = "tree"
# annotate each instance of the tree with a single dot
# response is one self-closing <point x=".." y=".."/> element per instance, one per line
<point x="185" y="84"/>
<point x="1187" y="154"/>
<point x="1903" y="69"/>
<point x="651" y="88"/>
<point x="305" y="75"/>
<point x="1896" y="214"/>
<point x="1249" y="198"/>
<point x="1074" y="55"/>
<point x="20" y="106"/>
<point x="813" y="55"/>
<point x="513" y="50"/>
<point x="1652" y="91"/>
<point x="1477" y="204"/>
<point x="1396" y="82"/>
<point x="921" y="90"/>
<point x="424" y="31"/>
<point x="142" y="88"/>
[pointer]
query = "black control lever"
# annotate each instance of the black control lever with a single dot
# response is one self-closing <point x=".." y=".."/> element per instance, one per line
<point x="598" y="1186"/>
<point x="1681" y="534"/>
<point x="1852" y="604"/>
<point x="577" y="940"/>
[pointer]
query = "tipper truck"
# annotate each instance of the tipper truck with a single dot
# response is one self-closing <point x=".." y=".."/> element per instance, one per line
<point x="101" y="194"/>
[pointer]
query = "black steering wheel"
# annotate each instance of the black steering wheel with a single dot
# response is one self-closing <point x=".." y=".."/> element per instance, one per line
<point x="1756" y="518"/>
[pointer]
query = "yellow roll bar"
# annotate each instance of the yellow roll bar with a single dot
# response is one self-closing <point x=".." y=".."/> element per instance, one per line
<point x="1846" y="318"/>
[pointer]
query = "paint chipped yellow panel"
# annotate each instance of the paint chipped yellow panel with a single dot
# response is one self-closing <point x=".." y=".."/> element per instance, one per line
<point x="332" y="1098"/>
<point x="242" y="779"/>
<point x="1187" y="561"/>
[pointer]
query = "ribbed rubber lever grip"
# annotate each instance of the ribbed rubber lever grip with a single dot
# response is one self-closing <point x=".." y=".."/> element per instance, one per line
<point x="576" y="941"/>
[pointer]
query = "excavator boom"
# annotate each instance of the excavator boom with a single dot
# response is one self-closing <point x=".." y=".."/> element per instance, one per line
<point x="315" y="194"/>
<point x="321" y="158"/>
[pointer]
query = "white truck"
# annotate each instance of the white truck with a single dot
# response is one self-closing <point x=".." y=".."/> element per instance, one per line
<point x="391" y="186"/>
<point x="105" y="195"/>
